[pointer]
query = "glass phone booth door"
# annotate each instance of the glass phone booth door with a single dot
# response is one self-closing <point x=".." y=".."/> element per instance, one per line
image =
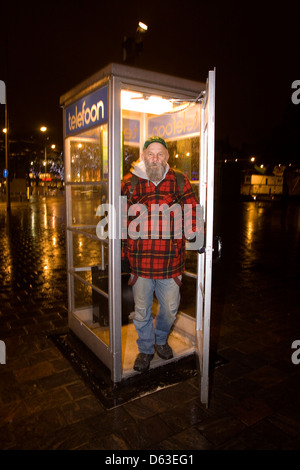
<point x="105" y="129"/>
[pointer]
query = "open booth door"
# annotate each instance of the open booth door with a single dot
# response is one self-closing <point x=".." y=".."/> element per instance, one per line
<point x="206" y="196"/>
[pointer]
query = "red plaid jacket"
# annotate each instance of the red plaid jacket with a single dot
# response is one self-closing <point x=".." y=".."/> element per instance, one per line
<point x="159" y="251"/>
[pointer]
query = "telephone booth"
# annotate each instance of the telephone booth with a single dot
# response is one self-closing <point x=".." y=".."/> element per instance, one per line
<point x="107" y="119"/>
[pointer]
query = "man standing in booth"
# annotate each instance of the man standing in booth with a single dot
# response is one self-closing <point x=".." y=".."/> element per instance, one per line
<point x="156" y="256"/>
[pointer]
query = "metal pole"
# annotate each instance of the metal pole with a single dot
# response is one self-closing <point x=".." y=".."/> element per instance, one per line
<point x="6" y="158"/>
<point x="45" y="170"/>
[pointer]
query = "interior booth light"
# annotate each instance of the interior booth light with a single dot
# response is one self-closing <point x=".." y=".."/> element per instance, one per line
<point x="132" y="101"/>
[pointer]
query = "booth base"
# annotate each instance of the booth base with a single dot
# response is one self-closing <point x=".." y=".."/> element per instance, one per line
<point x="97" y="376"/>
<point x="181" y="346"/>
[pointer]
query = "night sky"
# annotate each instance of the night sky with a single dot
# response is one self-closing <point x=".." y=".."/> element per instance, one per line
<point x="49" y="48"/>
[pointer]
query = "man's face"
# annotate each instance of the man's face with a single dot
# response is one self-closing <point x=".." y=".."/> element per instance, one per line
<point x="155" y="157"/>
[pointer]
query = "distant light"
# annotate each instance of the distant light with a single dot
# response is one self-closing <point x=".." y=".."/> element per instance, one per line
<point x="143" y="26"/>
<point x="252" y="159"/>
<point x="43" y="128"/>
<point x="4" y="130"/>
<point x="53" y="146"/>
<point x="261" y="166"/>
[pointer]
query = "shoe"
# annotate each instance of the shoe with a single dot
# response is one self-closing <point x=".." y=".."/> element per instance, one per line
<point x="164" y="351"/>
<point x="142" y="362"/>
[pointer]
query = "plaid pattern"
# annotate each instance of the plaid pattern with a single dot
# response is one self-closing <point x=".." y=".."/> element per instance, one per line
<point x="163" y="255"/>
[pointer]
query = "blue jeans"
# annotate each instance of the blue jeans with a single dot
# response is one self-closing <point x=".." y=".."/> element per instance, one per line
<point x="168" y="296"/>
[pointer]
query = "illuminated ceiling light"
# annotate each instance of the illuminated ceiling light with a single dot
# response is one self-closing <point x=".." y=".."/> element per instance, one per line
<point x="252" y="159"/>
<point x="132" y="101"/>
<point x="43" y="128"/>
<point x="53" y="146"/>
<point x="179" y="107"/>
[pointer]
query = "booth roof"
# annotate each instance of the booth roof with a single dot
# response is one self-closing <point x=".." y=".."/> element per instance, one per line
<point x="134" y="75"/>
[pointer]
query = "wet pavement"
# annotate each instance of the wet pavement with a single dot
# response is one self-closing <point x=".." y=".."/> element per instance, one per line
<point x="254" y="395"/>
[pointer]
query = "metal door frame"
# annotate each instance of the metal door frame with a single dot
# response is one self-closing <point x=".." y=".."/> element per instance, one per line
<point x="204" y="269"/>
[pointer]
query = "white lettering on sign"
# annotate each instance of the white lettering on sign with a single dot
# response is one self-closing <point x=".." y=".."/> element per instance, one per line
<point x="85" y="116"/>
<point x="182" y="124"/>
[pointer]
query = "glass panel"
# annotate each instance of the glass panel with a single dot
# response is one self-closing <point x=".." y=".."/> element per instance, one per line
<point x="89" y="156"/>
<point x="184" y="156"/>
<point x="88" y="252"/>
<point x="85" y="201"/>
<point x="83" y="298"/>
<point x="92" y="309"/>
<point x="90" y="257"/>
<point x="87" y="181"/>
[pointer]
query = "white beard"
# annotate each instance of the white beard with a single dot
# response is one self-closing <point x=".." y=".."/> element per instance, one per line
<point x="155" y="172"/>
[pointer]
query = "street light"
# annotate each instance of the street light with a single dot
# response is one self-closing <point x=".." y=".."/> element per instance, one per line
<point x="142" y="27"/>
<point x="133" y="45"/>
<point x="3" y="100"/>
<point x="44" y="129"/>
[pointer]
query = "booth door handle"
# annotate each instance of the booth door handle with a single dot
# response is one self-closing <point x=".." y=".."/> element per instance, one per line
<point x="217" y="248"/>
